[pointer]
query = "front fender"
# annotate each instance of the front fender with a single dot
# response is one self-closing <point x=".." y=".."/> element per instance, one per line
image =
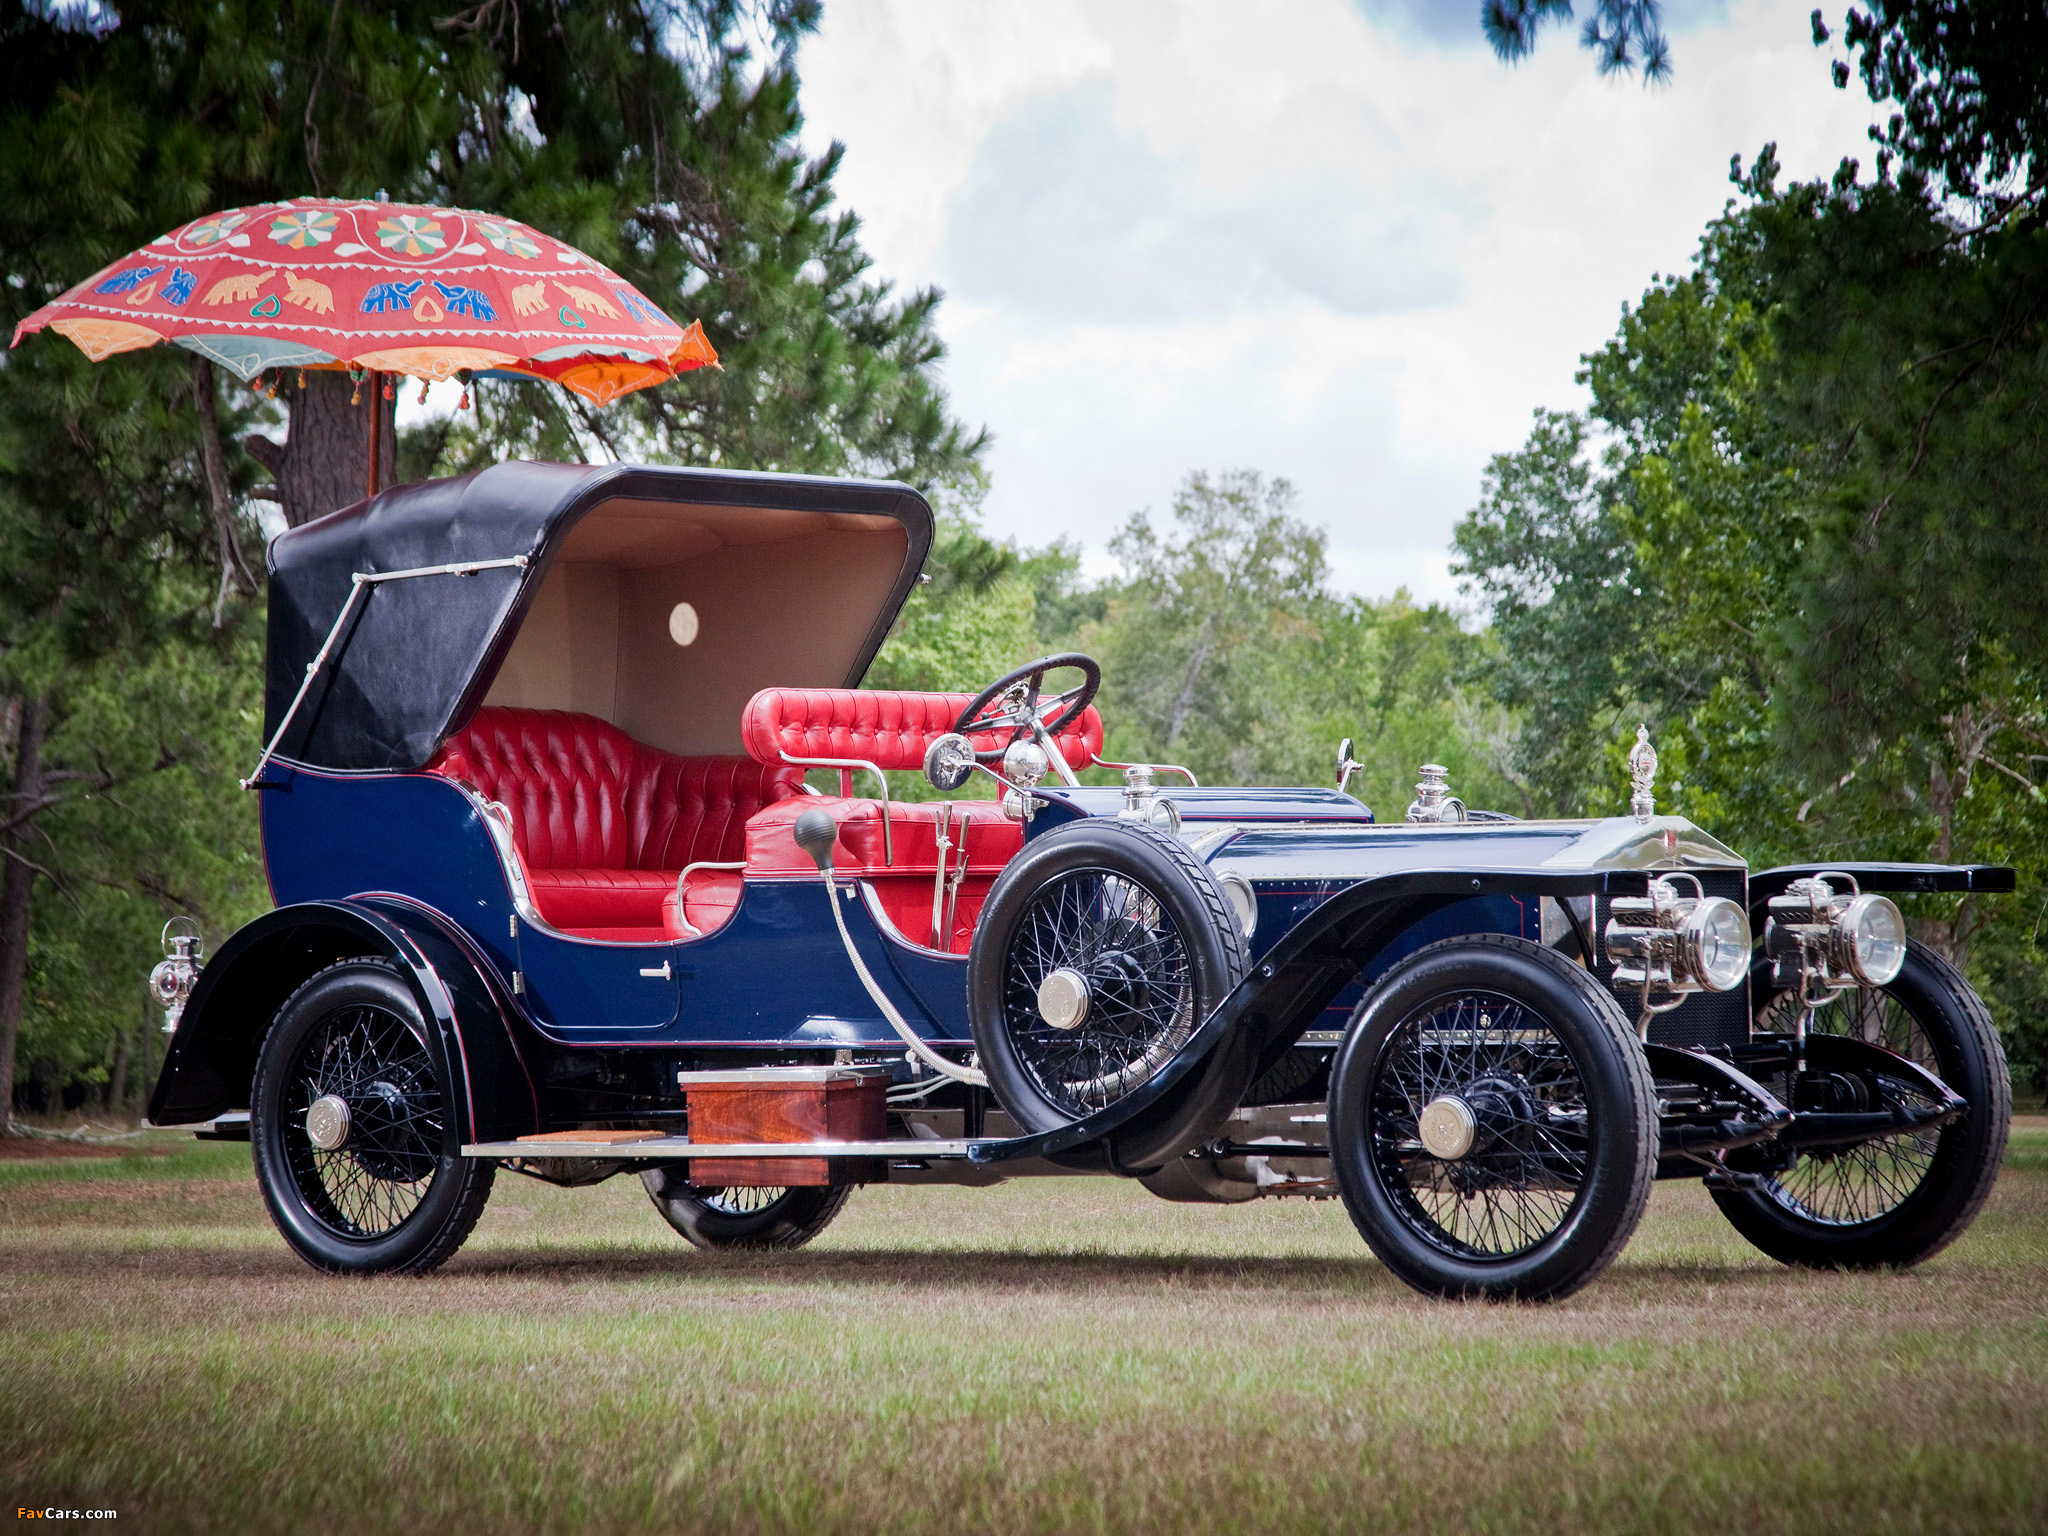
<point x="211" y="1063"/>
<point x="1285" y="992"/>
<point x="1919" y="879"/>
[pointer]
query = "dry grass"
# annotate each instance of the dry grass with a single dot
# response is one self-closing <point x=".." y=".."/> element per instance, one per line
<point x="1045" y="1356"/>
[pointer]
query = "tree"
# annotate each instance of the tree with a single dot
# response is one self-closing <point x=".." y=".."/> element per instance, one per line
<point x="1804" y="552"/>
<point x="1970" y="81"/>
<point x="648" y="132"/>
<point x="1623" y="35"/>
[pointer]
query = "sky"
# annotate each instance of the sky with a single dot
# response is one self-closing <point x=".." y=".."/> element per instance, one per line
<point x="1332" y="240"/>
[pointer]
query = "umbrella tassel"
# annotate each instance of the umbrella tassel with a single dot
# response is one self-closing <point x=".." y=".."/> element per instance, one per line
<point x="423" y="393"/>
<point x="389" y="392"/>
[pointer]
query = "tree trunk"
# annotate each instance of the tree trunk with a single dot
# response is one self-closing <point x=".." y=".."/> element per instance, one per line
<point x="234" y="571"/>
<point x="324" y="463"/>
<point x="15" y="888"/>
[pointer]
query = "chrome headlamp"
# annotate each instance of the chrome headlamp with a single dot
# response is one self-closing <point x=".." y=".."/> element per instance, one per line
<point x="1671" y="944"/>
<point x="1826" y="940"/>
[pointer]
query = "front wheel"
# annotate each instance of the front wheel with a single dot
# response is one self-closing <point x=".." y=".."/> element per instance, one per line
<point x="1493" y="1124"/>
<point x="356" y="1148"/>
<point x="742" y="1218"/>
<point x="1101" y="949"/>
<point x="1901" y="1198"/>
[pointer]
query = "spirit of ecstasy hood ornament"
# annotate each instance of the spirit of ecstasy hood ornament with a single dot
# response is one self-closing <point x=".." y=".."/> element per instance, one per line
<point x="1642" y="773"/>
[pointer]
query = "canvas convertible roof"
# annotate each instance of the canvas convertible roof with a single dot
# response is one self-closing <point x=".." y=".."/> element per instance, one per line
<point x="658" y="599"/>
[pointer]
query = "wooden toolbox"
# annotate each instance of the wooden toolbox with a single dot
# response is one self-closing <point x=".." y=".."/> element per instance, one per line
<point x="781" y="1104"/>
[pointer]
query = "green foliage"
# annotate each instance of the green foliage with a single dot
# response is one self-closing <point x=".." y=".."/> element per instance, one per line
<point x="1623" y="36"/>
<point x="1798" y="533"/>
<point x="660" y="135"/>
<point x="1970" y="81"/>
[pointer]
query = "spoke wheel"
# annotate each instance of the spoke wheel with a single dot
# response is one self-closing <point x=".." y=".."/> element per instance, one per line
<point x="1847" y="1186"/>
<point x="1118" y="936"/>
<point x="1527" y="1164"/>
<point x="355" y="1149"/>
<point x="741" y="1217"/>
<point x="1900" y="1198"/>
<point x="1100" y="951"/>
<point x="369" y="1059"/>
<point x="1493" y="1125"/>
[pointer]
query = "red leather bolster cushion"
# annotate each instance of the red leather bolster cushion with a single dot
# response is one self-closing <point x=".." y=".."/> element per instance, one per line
<point x="888" y="729"/>
<point x="992" y="839"/>
<point x="577" y="899"/>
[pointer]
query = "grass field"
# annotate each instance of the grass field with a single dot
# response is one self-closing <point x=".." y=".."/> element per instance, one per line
<point x="1063" y="1356"/>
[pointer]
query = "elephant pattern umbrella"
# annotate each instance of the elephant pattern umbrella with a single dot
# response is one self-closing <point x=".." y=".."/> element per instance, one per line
<point x="432" y="293"/>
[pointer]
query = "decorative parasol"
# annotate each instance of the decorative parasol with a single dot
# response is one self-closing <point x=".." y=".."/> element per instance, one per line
<point x="379" y="288"/>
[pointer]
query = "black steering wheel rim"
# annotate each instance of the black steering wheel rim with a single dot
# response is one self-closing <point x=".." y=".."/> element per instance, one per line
<point x="1073" y="702"/>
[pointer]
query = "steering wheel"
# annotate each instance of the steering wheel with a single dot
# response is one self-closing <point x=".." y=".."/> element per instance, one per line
<point x="1014" y="701"/>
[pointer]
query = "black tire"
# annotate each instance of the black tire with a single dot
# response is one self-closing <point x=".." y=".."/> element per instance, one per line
<point x="742" y="1218"/>
<point x="1904" y="1198"/>
<point x="398" y="1196"/>
<point x="1135" y="911"/>
<point x="1565" y="1148"/>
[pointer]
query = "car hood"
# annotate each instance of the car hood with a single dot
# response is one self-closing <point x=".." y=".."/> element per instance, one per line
<point x="1308" y="850"/>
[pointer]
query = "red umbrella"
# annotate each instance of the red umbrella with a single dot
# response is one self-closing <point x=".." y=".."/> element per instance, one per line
<point x="432" y="293"/>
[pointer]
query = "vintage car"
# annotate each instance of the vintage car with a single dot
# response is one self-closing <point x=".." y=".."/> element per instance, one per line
<point x="556" y="893"/>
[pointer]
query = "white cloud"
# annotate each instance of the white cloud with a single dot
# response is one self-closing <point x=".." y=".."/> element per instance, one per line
<point x="1348" y="248"/>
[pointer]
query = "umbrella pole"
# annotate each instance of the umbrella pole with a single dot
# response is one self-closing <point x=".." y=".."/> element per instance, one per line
<point x="376" y="383"/>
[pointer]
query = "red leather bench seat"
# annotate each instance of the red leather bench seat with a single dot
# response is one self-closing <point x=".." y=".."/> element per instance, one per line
<point x="604" y="824"/>
<point x="875" y="725"/>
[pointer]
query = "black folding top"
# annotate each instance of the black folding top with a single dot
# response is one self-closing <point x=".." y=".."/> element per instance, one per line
<point x="417" y="656"/>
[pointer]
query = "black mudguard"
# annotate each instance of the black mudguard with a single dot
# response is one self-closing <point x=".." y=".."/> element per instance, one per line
<point x="211" y="1062"/>
<point x="1284" y="994"/>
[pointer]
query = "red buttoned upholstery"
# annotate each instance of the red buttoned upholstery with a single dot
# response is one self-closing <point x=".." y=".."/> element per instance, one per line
<point x="604" y="823"/>
<point x="890" y="730"/>
<point x="991" y="838"/>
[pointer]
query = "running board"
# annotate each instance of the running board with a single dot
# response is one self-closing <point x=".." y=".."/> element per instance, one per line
<point x="682" y="1149"/>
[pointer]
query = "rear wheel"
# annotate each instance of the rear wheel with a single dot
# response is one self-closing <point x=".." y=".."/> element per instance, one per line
<point x="1897" y="1199"/>
<point x="356" y="1148"/>
<point x="1492" y="1123"/>
<point x="742" y="1218"/>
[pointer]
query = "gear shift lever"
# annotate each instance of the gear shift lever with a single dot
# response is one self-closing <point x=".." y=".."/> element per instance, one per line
<point x="815" y="833"/>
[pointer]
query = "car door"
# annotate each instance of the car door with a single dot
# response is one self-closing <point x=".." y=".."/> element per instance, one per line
<point x="580" y="987"/>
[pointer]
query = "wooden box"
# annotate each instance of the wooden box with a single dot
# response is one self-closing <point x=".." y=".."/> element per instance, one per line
<point x="781" y="1104"/>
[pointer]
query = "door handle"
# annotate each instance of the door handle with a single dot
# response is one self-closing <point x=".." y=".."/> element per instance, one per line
<point x="664" y="973"/>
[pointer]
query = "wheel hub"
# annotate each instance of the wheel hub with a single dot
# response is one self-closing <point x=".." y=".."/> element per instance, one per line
<point x="1447" y="1127"/>
<point x="1063" y="998"/>
<point x="327" y="1122"/>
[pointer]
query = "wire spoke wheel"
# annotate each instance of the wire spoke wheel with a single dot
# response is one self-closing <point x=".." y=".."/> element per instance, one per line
<point x="1845" y="1186"/>
<point x="1529" y="1152"/>
<point x="368" y="1058"/>
<point x="742" y="1201"/>
<point x="1902" y="1196"/>
<point x="355" y="1131"/>
<point x="740" y="1217"/>
<point x="1493" y="1122"/>
<point x="1117" y="934"/>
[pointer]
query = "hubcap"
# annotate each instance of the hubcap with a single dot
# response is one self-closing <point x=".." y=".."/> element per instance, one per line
<point x="1063" y="998"/>
<point x="1447" y="1127"/>
<point x="327" y="1122"/>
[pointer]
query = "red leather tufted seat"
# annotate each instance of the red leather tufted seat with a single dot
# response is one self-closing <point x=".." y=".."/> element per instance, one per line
<point x="604" y="824"/>
<point x="890" y="730"/>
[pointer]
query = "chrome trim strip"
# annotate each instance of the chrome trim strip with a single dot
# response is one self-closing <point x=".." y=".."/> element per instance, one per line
<point x="672" y="1148"/>
<point x="358" y="583"/>
<point x="888" y="845"/>
<point x="683" y="878"/>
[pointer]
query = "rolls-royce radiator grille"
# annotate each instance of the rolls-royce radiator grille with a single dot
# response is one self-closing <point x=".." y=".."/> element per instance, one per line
<point x="1704" y="1018"/>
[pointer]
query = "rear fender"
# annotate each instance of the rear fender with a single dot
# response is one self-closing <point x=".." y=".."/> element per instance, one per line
<point x="1284" y="995"/>
<point x="211" y="1063"/>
